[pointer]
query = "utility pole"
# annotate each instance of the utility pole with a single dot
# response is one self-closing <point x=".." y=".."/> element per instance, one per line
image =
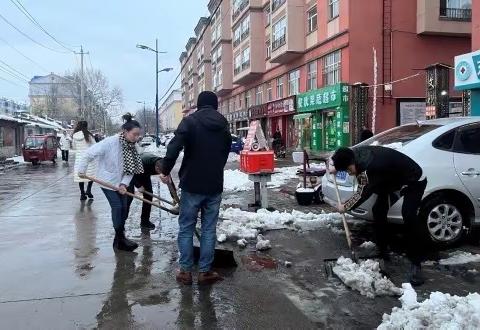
<point x="157" y="129"/>
<point x="82" y="85"/>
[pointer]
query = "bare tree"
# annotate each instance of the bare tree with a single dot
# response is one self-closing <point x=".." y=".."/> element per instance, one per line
<point x="101" y="101"/>
<point x="146" y="120"/>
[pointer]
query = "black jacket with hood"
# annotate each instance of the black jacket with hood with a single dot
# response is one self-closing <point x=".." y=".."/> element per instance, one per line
<point x="381" y="170"/>
<point x="206" y="140"/>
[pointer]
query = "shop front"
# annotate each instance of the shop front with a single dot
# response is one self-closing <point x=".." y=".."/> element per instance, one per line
<point x="280" y="116"/>
<point x="260" y="112"/>
<point x="240" y="122"/>
<point x="322" y="122"/>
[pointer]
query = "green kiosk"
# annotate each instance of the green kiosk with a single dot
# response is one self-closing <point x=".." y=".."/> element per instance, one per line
<point x="322" y="122"/>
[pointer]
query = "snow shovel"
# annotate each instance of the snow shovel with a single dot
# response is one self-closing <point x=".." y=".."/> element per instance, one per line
<point x="112" y="187"/>
<point x="223" y="258"/>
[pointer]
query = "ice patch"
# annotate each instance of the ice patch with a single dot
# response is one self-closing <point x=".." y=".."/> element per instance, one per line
<point x="368" y="245"/>
<point x="440" y="311"/>
<point x="459" y="258"/>
<point x="365" y="278"/>
<point x="262" y="243"/>
<point x="222" y="238"/>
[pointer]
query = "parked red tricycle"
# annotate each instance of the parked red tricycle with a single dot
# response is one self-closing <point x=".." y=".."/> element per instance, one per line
<point x="39" y="148"/>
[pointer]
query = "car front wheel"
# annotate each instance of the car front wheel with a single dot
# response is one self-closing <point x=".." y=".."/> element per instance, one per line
<point x="444" y="219"/>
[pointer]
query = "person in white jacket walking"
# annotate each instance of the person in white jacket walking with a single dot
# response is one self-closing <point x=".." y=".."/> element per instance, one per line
<point x="82" y="140"/>
<point x="118" y="160"/>
<point x="65" y="142"/>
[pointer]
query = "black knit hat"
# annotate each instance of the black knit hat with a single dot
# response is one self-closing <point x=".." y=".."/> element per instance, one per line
<point x="207" y="99"/>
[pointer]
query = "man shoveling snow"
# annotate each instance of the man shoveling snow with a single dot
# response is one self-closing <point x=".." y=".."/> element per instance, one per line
<point x="383" y="171"/>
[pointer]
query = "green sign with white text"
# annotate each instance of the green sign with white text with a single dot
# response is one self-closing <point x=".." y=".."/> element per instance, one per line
<point x="324" y="98"/>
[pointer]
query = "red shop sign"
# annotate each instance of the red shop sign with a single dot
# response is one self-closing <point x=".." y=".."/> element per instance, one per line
<point x="258" y="111"/>
<point x="281" y="107"/>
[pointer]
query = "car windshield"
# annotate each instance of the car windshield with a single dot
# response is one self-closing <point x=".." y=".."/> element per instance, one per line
<point x="399" y="136"/>
<point x="34" y="142"/>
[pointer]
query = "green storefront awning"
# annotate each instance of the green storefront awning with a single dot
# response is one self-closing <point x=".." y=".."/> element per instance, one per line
<point x="329" y="97"/>
<point x="302" y="116"/>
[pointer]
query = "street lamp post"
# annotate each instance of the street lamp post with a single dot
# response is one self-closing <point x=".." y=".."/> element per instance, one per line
<point x="157" y="132"/>
<point x="145" y="125"/>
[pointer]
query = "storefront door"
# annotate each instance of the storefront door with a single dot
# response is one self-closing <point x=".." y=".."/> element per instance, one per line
<point x="330" y="131"/>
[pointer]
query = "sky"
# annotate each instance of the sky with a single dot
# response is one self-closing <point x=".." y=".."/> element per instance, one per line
<point x="109" y="30"/>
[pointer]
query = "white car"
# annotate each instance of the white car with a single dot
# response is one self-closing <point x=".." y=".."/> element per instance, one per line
<point x="448" y="150"/>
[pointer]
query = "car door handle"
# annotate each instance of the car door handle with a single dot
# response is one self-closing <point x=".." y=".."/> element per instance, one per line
<point x="471" y="172"/>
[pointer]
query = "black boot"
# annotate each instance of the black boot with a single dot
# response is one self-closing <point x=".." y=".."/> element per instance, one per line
<point x="89" y="190"/>
<point x="83" y="197"/>
<point x="147" y="225"/>
<point x="120" y="242"/>
<point x="89" y="194"/>
<point x="416" y="277"/>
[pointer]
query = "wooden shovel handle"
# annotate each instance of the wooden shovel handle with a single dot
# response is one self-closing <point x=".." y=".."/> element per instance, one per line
<point x="344" y="219"/>
<point x="112" y="187"/>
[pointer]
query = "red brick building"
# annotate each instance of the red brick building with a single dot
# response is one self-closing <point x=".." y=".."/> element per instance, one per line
<point x="265" y="54"/>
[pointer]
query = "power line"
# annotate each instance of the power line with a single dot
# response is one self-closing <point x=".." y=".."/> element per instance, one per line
<point x="12" y="68"/>
<point x="12" y="74"/>
<point x="23" y="55"/>
<point x="12" y="82"/>
<point x="32" y="19"/>
<point x="28" y="37"/>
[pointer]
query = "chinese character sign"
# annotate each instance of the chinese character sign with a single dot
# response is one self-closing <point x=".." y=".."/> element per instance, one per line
<point x="324" y="98"/>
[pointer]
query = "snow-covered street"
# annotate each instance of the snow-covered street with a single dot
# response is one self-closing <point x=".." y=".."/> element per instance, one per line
<point x="57" y="263"/>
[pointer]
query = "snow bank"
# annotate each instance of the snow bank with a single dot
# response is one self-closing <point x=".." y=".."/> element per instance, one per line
<point x="365" y="278"/>
<point x="368" y="245"/>
<point x="235" y="180"/>
<point x="18" y="159"/>
<point x="262" y="243"/>
<point x="239" y="224"/>
<point x="459" y="258"/>
<point x="233" y="157"/>
<point x="440" y="311"/>
<point x="159" y="151"/>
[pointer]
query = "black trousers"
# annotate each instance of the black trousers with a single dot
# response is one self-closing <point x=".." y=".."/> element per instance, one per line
<point x="65" y="155"/>
<point x="416" y="234"/>
<point x="146" y="182"/>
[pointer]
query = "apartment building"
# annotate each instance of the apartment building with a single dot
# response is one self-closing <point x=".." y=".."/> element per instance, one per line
<point x="307" y="67"/>
<point x="171" y="111"/>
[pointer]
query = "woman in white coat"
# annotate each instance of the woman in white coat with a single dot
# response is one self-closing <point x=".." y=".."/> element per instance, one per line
<point x="118" y="160"/>
<point x="82" y="140"/>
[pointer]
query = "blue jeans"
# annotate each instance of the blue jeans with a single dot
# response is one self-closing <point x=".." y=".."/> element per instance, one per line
<point x="190" y="204"/>
<point x="119" y="206"/>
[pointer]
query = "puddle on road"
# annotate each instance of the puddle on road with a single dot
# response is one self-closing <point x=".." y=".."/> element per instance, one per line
<point x="256" y="263"/>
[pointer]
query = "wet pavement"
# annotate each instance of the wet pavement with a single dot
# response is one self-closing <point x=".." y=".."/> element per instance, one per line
<point x="59" y="271"/>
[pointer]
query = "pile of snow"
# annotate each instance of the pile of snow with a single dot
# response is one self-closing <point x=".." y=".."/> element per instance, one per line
<point x="365" y="278"/>
<point x="440" y="311"/>
<point x="460" y="258"/>
<point x="235" y="180"/>
<point x="233" y="157"/>
<point x="242" y="242"/>
<point x="222" y="238"/>
<point x="239" y="224"/>
<point x="262" y="243"/>
<point x="368" y="245"/>
<point x="18" y="159"/>
<point x="159" y="151"/>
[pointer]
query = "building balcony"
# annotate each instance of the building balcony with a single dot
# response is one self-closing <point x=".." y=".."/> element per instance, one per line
<point x="285" y="49"/>
<point x="456" y="14"/>
<point x="434" y="19"/>
<point x="238" y="11"/>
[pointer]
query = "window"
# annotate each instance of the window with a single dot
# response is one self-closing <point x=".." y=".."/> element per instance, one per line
<point x="333" y="8"/>
<point x="238" y="6"/>
<point x="242" y="31"/>
<point x="258" y="95"/>
<point x="312" y="19"/>
<point x="246" y="58"/>
<point x="467" y="140"/>
<point x="269" y="91"/>
<point x="238" y="64"/>
<point x="280" y="88"/>
<point x="445" y="141"/>
<point x="237" y="36"/>
<point x="248" y="99"/>
<point x="311" y="75"/>
<point x="268" y="49"/>
<point x="293" y="82"/>
<point x="277" y="4"/>
<point x="279" y="33"/>
<point x="331" y="68"/>
<point x="458" y="10"/>
<point x="399" y="135"/>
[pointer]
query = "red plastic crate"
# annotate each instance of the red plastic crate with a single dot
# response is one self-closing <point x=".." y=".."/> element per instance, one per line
<point x="252" y="162"/>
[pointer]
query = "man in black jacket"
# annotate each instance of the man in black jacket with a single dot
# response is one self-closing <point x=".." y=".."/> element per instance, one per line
<point x="385" y="171"/>
<point x="152" y="165"/>
<point x="205" y="139"/>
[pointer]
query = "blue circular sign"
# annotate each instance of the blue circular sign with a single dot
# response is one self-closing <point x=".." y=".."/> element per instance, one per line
<point x="463" y="71"/>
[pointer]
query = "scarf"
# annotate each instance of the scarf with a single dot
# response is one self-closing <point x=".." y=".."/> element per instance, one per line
<point x="132" y="163"/>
